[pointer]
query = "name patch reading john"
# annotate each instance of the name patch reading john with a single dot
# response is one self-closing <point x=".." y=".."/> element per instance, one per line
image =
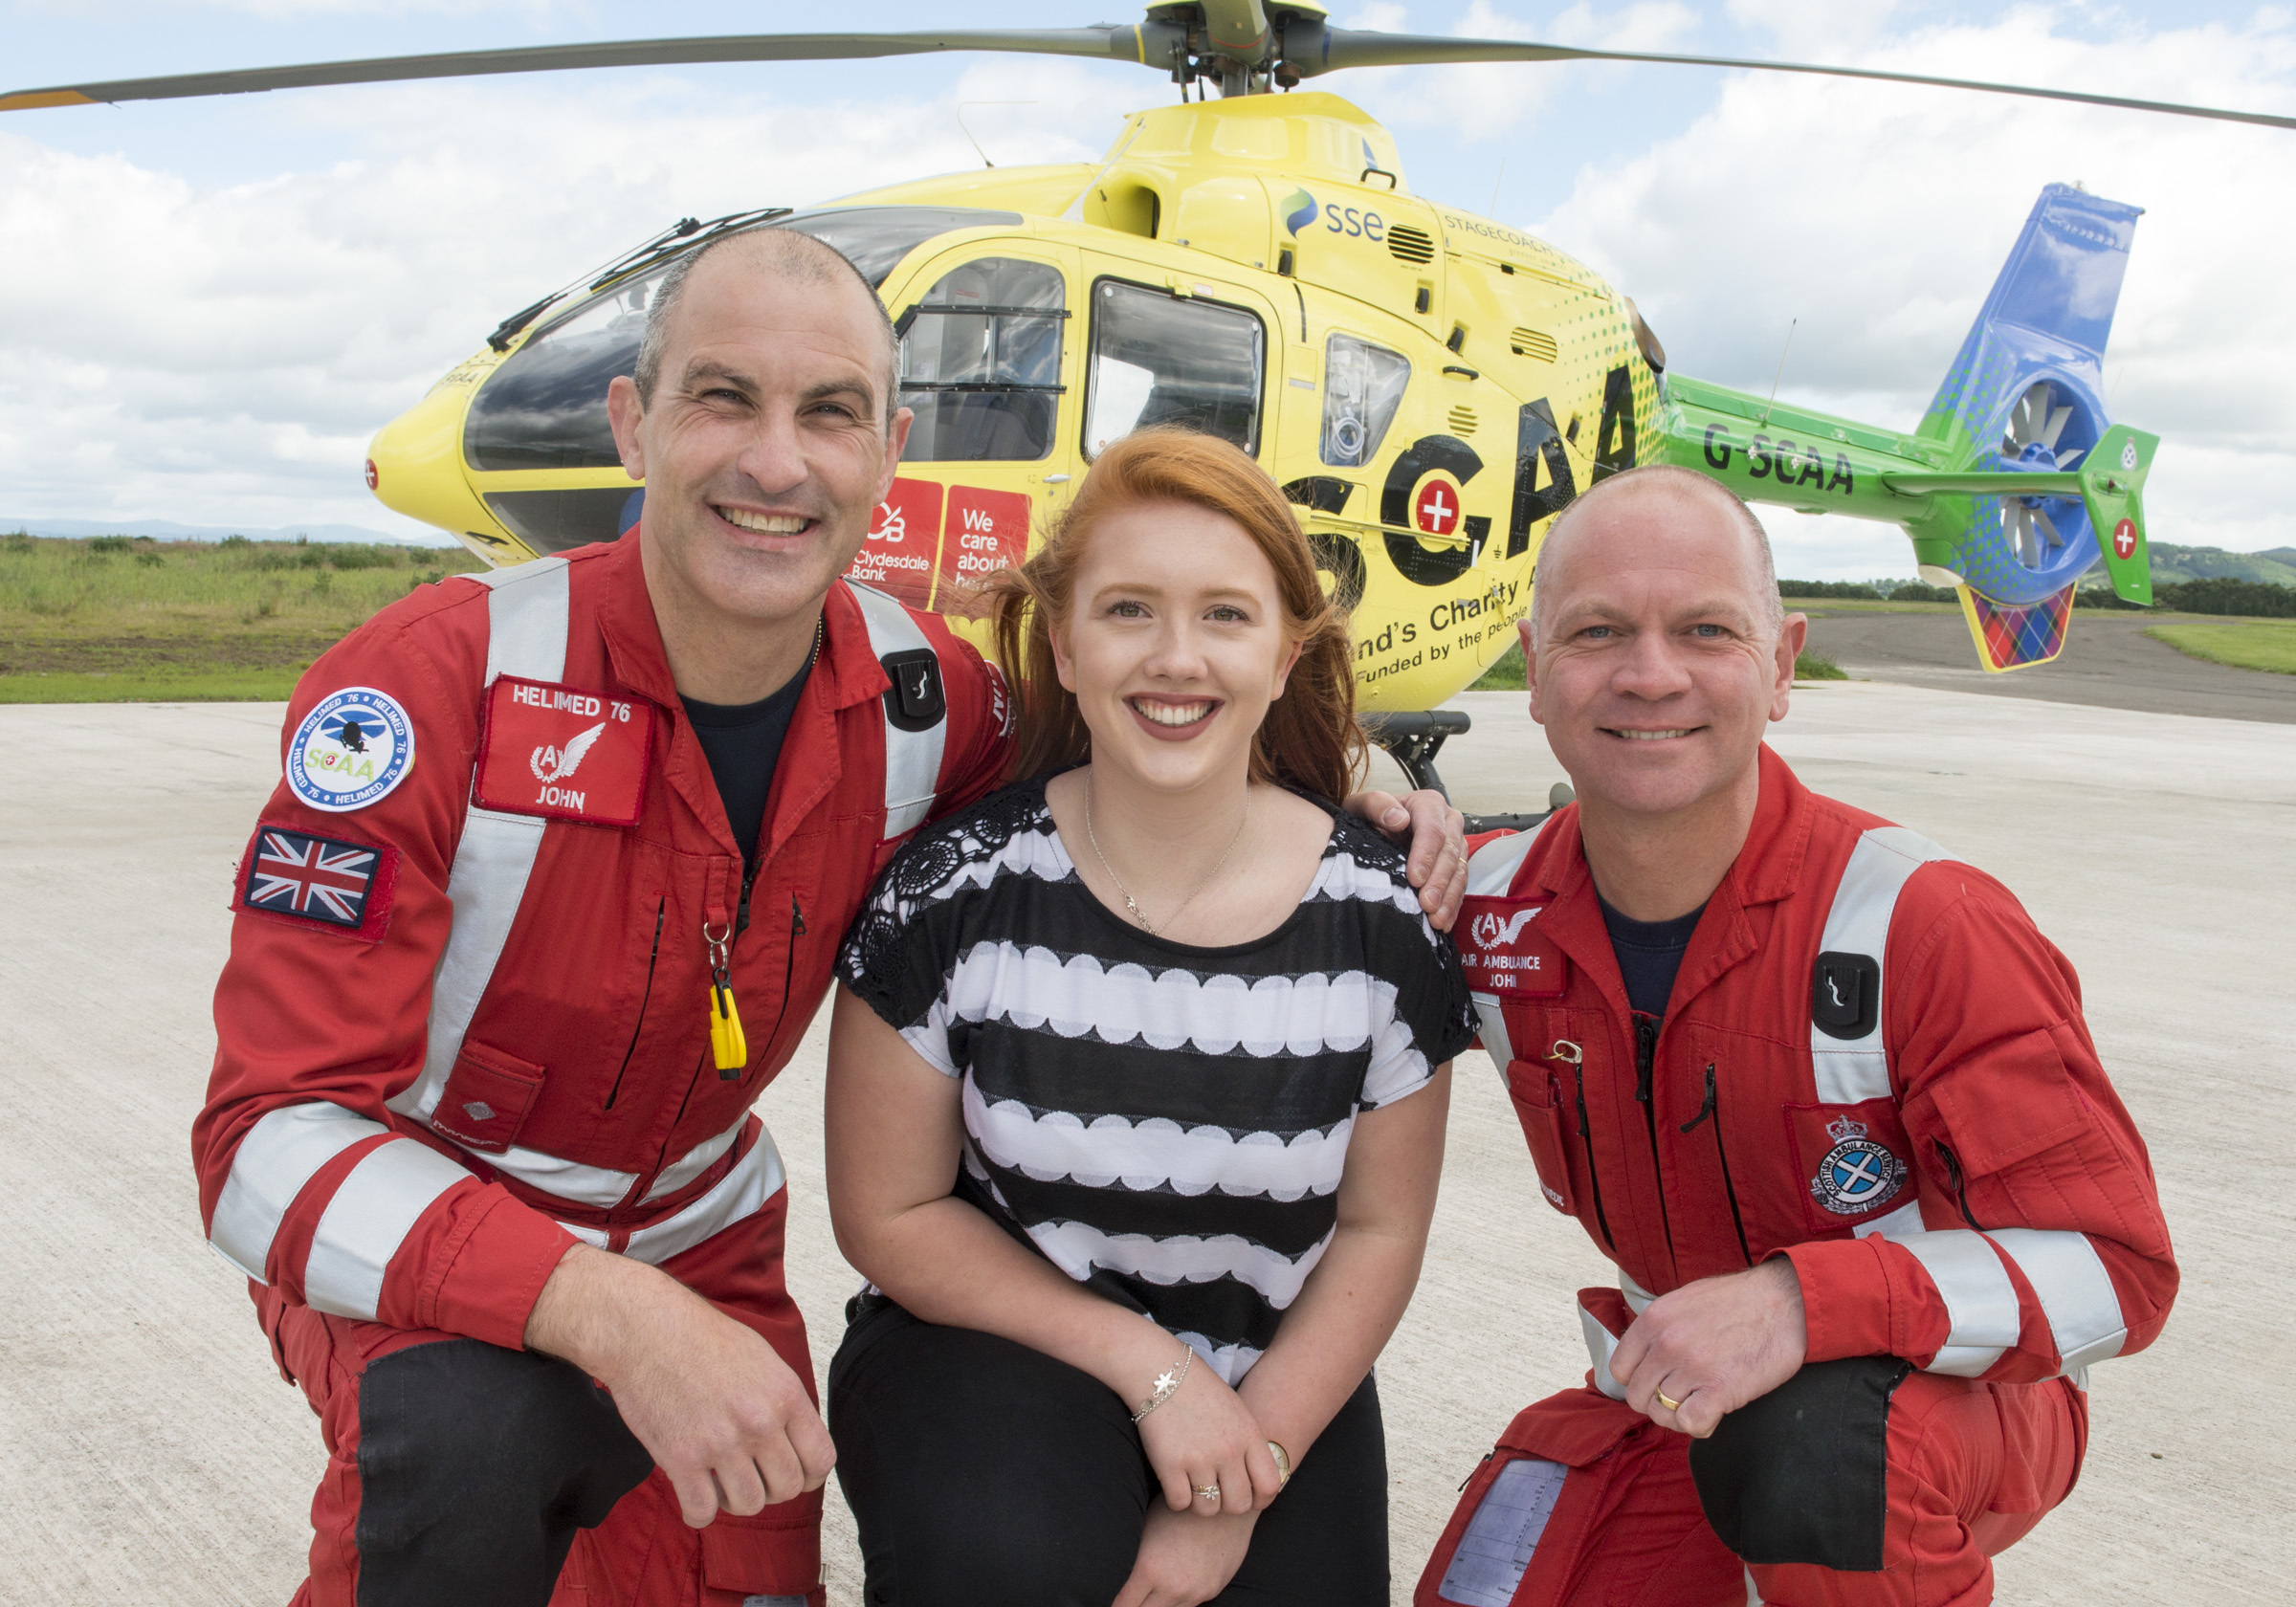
<point x="1503" y="951"/>
<point x="564" y="752"/>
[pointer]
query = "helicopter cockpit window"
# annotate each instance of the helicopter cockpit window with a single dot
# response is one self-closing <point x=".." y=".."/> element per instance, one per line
<point x="1362" y="387"/>
<point x="981" y="363"/>
<point x="544" y="408"/>
<point x="1160" y="359"/>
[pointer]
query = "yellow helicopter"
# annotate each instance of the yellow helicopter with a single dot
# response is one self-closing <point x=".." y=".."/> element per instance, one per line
<point x="1431" y="388"/>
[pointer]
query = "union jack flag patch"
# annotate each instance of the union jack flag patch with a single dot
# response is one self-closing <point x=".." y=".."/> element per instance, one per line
<point x="323" y="881"/>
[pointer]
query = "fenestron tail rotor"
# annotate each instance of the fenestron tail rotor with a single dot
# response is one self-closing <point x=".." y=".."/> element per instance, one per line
<point x="1246" y="46"/>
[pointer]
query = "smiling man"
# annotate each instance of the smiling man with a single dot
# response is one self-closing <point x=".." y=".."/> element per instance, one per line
<point x="1824" y="1095"/>
<point x="510" y="969"/>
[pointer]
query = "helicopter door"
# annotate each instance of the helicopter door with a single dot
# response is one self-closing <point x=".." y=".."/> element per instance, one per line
<point x="1158" y="357"/>
<point x="982" y="368"/>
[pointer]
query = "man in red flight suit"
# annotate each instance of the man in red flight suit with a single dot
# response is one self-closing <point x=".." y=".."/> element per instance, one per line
<point x="1822" y="1093"/>
<point x="549" y="894"/>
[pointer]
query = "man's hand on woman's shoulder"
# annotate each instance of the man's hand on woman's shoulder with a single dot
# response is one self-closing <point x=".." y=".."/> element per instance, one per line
<point x="1436" y="834"/>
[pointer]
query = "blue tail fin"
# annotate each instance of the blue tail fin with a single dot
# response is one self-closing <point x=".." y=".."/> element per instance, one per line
<point x="2025" y="392"/>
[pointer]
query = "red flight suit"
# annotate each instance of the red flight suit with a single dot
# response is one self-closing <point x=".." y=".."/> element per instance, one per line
<point x="1931" y="1142"/>
<point x="465" y="1019"/>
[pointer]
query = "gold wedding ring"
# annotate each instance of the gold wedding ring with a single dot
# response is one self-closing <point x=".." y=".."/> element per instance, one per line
<point x="1668" y="1401"/>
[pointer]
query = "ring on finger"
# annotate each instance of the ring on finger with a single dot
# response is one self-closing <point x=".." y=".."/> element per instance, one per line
<point x="1206" y="1492"/>
<point x="1668" y="1401"/>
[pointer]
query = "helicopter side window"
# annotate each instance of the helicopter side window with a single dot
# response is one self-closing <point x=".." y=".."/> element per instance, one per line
<point x="1159" y="359"/>
<point x="544" y="408"/>
<point x="1362" y="387"/>
<point x="981" y="363"/>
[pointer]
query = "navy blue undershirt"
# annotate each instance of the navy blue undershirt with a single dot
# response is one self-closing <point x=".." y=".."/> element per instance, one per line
<point x="743" y="743"/>
<point x="1649" y="955"/>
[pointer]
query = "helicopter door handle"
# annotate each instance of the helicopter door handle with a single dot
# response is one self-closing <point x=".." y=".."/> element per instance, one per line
<point x="1365" y="176"/>
<point x="1463" y="373"/>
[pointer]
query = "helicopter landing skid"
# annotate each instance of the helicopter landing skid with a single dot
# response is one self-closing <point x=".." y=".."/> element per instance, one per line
<point x="1412" y="737"/>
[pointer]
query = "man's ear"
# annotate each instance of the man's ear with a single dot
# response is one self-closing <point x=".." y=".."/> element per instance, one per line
<point x="625" y="413"/>
<point x="896" y="442"/>
<point x="1790" y="642"/>
<point x="1522" y="632"/>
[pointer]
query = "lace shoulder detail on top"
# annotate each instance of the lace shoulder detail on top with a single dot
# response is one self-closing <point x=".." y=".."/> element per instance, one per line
<point x="931" y="867"/>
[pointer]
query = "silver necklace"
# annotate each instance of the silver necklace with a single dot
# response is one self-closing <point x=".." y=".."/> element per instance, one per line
<point x="1132" y="904"/>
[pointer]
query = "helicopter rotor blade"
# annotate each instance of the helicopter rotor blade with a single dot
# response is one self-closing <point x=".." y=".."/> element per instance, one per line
<point x="1151" y="43"/>
<point x="1346" y="47"/>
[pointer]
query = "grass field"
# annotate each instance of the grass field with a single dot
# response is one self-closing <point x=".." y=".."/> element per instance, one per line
<point x="2243" y="643"/>
<point x="115" y="619"/>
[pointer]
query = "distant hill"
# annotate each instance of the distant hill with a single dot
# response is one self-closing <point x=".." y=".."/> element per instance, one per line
<point x="2275" y="565"/>
<point x="167" y="530"/>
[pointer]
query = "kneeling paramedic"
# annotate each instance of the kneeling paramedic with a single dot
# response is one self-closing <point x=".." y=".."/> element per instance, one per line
<point x="550" y="892"/>
<point x="1823" y="1093"/>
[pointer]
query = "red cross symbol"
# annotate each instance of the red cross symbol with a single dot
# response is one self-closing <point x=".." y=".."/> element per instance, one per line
<point x="1438" y="509"/>
<point x="2123" y="539"/>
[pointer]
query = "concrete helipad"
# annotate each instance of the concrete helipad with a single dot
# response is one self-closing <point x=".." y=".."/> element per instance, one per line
<point x="148" y="1452"/>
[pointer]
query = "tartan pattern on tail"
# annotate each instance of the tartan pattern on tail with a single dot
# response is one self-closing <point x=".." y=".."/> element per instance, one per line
<point x="2012" y="637"/>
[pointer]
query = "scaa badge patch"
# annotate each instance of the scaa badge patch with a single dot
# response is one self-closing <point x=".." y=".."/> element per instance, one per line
<point x="350" y="751"/>
<point x="1857" y="1173"/>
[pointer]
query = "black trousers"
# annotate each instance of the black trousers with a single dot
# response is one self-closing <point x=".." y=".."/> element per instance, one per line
<point x="983" y="1472"/>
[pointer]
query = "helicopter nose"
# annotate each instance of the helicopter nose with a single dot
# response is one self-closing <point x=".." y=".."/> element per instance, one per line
<point x="415" y="465"/>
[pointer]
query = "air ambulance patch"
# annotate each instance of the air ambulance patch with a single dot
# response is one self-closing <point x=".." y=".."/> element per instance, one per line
<point x="1503" y="951"/>
<point x="310" y="880"/>
<point x="350" y="751"/>
<point x="562" y="753"/>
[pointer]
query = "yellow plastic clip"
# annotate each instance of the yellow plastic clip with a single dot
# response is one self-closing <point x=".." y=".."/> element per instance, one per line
<point x="729" y="1044"/>
<point x="727" y="1041"/>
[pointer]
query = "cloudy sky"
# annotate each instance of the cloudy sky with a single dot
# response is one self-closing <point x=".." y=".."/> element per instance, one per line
<point x="206" y="307"/>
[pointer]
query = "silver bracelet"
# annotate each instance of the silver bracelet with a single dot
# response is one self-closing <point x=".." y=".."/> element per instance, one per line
<point x="1167" y="1384"/>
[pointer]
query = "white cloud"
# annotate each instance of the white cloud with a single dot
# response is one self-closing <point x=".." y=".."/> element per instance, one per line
<point x="223" y="353"/>
<point x="1878" y="217"/>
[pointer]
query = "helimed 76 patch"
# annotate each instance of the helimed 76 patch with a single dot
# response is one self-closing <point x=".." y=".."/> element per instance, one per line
<point x="564" y="752"/>
<point x="309" y="880"/>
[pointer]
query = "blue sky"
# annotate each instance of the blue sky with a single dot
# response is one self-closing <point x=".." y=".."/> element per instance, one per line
<point x="206" y="307"/>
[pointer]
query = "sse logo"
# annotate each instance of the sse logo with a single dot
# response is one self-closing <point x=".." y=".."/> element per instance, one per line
<point x="1300" y="209"/>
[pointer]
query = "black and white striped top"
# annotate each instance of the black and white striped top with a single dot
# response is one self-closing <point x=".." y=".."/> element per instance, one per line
<point x="1165" y="1123"/>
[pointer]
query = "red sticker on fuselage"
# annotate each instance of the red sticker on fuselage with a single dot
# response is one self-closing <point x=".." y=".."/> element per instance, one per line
<point x="564" y="752"/>
<point x="1503" y="951"/>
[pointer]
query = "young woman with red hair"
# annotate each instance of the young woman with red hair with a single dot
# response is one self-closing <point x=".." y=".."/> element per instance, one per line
<point x="1137" y="1094"/>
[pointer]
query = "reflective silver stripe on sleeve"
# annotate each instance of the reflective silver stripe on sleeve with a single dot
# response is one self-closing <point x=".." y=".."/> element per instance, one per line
<point x="526" y="613"/>
<point x="1979" y="1300"/>
<point x="755" y="1179"/>
<point x="367" y="1221"/>
<point x="1851" y="1070"/>
<point x="275" y="1160"/>
<point x="912" y="757"/>
<point x="2075" y="1290"/>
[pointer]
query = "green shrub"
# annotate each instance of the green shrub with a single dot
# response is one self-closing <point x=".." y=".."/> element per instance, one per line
<point x="1857" y="590"/>
<point x="1817" y="667"/>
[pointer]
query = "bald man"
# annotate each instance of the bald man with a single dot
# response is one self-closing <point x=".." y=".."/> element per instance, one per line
<point x="1824" y="1095"/>
<point x="547" y="895"/>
